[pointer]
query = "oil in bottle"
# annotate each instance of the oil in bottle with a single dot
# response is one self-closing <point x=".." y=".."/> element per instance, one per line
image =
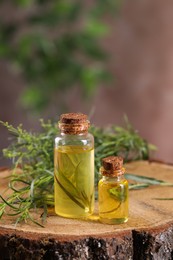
<point x="74" y="167"/>
<point x="113" y="192"/>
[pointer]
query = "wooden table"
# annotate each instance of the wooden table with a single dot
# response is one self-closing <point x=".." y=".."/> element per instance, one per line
<point x="147" y="235"/>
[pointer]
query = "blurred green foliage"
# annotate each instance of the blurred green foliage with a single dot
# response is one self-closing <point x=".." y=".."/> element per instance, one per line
<point x="55" y="45"/>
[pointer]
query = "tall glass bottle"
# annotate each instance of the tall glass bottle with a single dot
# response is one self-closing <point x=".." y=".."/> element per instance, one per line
<point x="74" y="167"/>
<point x="113" y="191"/>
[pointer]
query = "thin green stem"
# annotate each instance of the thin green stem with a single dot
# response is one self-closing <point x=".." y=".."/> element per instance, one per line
<point x="69" y="194"/>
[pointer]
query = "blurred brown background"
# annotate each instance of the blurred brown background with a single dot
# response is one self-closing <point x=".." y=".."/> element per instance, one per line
<point x="140" y="44"/>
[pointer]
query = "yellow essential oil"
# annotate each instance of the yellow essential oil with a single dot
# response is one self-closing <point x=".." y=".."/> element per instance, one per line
<point x="113" y="192"/>
<point x="74" y="183"/>
<point x="74" y="168"/>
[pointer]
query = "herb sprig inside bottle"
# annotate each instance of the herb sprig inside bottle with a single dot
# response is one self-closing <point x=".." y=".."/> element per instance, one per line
<point x="74" y="167"/>
<point x="113" y="191"/>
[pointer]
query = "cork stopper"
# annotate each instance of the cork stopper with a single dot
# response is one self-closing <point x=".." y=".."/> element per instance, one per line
<point x="74" y="123"/>
<point x="73" y="118"/>
<point x="112" y="166"/>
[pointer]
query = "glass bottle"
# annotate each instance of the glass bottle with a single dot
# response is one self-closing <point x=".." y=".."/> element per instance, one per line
<point x="113" y="191"/>
<point x="74" y="167"/>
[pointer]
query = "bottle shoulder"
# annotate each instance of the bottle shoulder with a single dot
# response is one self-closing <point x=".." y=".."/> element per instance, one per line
<point x="117" y="180"/>
<point x="81" y="139"/>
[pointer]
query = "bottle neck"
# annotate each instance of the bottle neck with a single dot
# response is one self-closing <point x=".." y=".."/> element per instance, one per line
<point x="111" y="178"/>
<point x="112" y="174"/>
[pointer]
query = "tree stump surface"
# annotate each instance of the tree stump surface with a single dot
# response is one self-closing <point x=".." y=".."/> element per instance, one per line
<point x="147" y="235"/>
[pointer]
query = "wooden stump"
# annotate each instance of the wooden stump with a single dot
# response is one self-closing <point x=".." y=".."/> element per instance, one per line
<point x="147" y="235"/>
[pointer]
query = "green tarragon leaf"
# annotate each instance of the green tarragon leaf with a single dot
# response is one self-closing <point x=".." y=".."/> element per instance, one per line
<point x="118" y="193"/>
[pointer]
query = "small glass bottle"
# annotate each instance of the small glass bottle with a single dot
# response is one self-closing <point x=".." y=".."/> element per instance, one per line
<point x="74" y="167"/>
<point x="113" y="191"/>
